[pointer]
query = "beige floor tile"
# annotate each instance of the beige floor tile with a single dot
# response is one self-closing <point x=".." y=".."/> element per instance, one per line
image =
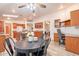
<point x="55" y="49"/>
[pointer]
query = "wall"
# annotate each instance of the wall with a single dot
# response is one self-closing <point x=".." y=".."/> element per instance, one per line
<point x="63" y="15"/>
<point x="11" y="21"/>
<point x="47" y="18"/>
<point x="38" y="22"/>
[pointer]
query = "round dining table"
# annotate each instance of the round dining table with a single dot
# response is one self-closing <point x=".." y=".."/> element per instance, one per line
<point x="24" y="46"/>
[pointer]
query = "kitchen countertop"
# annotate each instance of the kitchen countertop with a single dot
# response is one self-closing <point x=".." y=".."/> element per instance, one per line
<point x="73" y="35"/>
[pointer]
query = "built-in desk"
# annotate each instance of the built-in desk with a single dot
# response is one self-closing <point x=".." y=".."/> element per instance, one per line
<point x="72" y="44"/>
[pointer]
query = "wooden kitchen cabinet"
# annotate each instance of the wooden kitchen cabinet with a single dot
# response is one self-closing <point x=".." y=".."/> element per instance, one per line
<point x="2" y="40"/>
<point x="38" y="33"/>
<point x="68" y="43"/>
<point x="72" y="44"/>
<point x="78" y="46"/>
<point x="66" y="23"/>
<point x="17" y="35"/>
<point x="56" y="38"/>
<point x="74" y="18"/>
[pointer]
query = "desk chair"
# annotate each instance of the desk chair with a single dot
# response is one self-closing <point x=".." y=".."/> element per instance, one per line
<point x="61" y="37"/>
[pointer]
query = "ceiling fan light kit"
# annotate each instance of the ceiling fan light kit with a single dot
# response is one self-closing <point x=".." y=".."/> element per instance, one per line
<point x="32" y="7"/>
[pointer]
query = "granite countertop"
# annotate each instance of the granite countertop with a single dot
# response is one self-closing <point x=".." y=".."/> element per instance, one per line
<point x="73" y="35"/>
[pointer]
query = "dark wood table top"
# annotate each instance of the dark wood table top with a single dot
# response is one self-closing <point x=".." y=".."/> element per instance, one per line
<point x="25" y="45"/>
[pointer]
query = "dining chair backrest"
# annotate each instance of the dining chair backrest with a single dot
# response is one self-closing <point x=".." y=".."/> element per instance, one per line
<point x="43" y="48"/>
<point x="47" y="43"/>
<point x="46" y="46"/>
<point x="9" y="46"/>
<point x="41" y="36"/>
<point x="40" y="51"/>
<point x="42" y="42"/>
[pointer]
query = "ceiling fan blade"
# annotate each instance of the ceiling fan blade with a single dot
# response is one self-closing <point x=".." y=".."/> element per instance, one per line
<point x="21" y="6"/>
<point x="42" y="5"/>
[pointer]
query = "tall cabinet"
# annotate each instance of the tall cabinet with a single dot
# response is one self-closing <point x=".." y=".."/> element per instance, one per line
<point x="72" y="42"/>
<point x="74" y="18"/>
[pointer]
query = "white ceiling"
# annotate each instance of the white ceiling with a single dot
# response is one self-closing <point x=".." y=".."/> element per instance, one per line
<point x="6" y="8"/>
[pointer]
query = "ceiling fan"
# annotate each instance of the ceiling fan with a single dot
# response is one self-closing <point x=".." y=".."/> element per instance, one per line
<point x="32" y="7"/>
<point x="32" y="4"/>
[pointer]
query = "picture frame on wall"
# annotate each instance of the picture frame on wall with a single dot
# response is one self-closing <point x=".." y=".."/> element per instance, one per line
<point x="39" y="25"/>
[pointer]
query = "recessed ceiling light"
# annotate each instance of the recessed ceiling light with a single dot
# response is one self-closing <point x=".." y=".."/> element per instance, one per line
<point x="34" y="14"/>
<point x="7" y="15"/>
<point x="61" y="6"/>
<point x="8" y="18"/>
<point x="13" y="11"/>
<point x="28" y="6"/>
<point x="47" y="22"/>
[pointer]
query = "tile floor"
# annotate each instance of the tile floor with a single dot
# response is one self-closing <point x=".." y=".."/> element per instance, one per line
<point x="54" y="49"/>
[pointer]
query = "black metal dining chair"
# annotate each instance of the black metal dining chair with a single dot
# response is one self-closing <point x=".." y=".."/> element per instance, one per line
<point x="43" y="49"/>
<point x="39" y="52"/>
<point x="9" y="46"/>
<point x="46" y="46"/>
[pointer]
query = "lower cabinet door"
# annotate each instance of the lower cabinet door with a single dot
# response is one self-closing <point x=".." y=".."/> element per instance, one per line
<point x="72" y="44"/>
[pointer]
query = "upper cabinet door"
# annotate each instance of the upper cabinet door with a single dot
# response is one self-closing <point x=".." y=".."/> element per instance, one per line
<point x="75" y="18"/>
